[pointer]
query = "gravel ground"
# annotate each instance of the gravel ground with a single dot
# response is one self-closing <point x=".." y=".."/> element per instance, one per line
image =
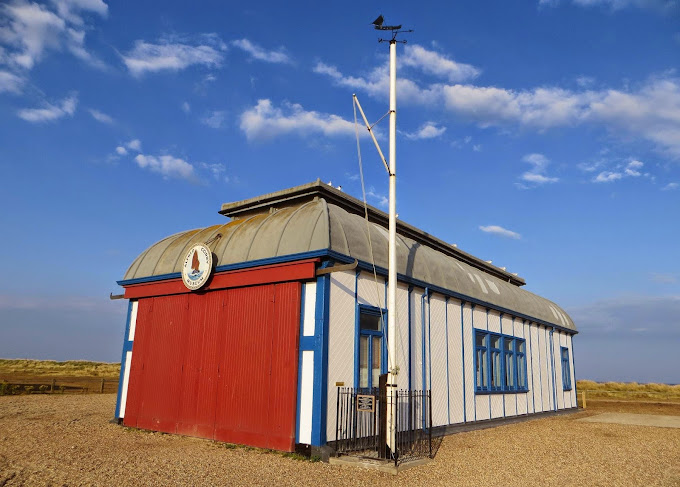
<point x="68" y="440"/>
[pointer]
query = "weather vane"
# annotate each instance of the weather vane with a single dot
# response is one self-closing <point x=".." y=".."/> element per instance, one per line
<point x="396" y="29"/>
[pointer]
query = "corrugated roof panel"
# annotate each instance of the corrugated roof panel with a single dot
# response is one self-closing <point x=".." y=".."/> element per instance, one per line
<point x="318" y="224"/>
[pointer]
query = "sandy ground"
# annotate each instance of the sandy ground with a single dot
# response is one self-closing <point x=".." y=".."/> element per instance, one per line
<point x="68" y="440"/>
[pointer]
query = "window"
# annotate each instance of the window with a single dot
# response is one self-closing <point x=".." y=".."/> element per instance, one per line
<point x="370" y="346"/>
<point x="500" y="363"/>
<point x="480" y="360"/>
<point x="566" y="370"/>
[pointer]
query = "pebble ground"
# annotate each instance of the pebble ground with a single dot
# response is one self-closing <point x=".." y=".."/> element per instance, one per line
<point x="68" y="440"/>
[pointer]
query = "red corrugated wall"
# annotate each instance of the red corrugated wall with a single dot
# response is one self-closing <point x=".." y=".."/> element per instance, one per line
<point x="219" y="365"/>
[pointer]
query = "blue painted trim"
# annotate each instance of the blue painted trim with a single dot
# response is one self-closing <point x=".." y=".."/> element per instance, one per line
<point x="320" y="394"/>
<point x="462" y="341"/>
<point x="240" y="265"/>
<point x="488" y="356"/>
<point x="448" y="384"/>
<point x="500" y="320"/>
<point x="127" y="346"/>
<point x="300" y="350"/>
<point x="410" y="340"/>
<point x="337" y="256"/>
<point x="525" y="361"/>
<point x="566" y="386"/>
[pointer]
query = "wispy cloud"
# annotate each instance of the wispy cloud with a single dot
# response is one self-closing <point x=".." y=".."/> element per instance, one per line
<point x="649" y="111"/>
<point x="377" y="198"/>
<point x="49" y="112"/>
<point x="429" y="130"/>
<point x="632" y="169"/>
<point x="168" y="166"/>
<point x="670" y="187"/>
<point x="438" y="64"/>
<point x="100" y="116"/>
<point x="174" y="54"/>
<point x="500" y="231"/>
<point x="134" y="145"/>
<point x="215" y="119"/>
<point x="30" y="29"/>
<point x="277" y="56"/>
<point x="186" y="108"/>
<point x="264" y="121"/>
<point x="663" y="278"/>
<point x="662" y="6"/>
<point x="536" y="175"/>
<point x="10" y="83"/>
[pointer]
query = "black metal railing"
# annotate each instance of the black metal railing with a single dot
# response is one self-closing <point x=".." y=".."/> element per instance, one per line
<point x="361" y="426"/>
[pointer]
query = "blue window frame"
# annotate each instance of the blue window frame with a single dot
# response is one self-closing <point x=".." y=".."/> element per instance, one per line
<point x="371" y="347"/>
<point x="500" y="363"/>
<point x="481" y="361"/>
<point x="566" y="369"/>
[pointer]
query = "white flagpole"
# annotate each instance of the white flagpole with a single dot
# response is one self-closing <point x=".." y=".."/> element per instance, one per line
<point x="392" y="259"/>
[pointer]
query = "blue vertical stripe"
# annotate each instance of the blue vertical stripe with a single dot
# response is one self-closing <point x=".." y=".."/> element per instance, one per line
<point x="320" y="392"/>
<point x="127" y="346"/>
<point x="410" y="341"/>
<point x="474" y="362"/>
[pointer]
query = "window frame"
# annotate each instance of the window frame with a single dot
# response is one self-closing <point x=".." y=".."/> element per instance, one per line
<point x="514" y="354"/>
<point x="372" y="311"/>
<point x="566" y="367"/>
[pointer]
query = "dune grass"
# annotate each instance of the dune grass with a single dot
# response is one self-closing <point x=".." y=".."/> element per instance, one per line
<point x="629" y="390"/>
<point x="52" y="368"/>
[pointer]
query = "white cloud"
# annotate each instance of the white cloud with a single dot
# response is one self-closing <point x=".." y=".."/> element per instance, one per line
<point x="186" y="108"/>
<point x="536" y="175"/>
<point x="217" y="170"/>
<point x="607" y="177"/>
<point x="500" y="231"/>
<point x="477" y="148"/>
<point x="670" y="187"/>
<point x="432" y="62"/>
<point x="170" y="54"/>
<point x="100" y="116"/>
<point x="168" y="166"/>
<point x="427" y="131"/>
<point x="379" y="199"/>
<point x="265" y="121"/>
<point x="50" y="112"/>
<point x="10" y="83"/>
<point x="655" y="5"/>
<point x="277" y="56"/>
<point x="135" y="145"/>
<point x="629" y="170"/>
<point x="121" y="151"/>
<point x="30" y="29"/>
<point x="649" y="111"/>
<point x="215" y="119"/>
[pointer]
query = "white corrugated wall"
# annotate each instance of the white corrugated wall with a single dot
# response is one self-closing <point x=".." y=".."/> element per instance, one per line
<point x="456" y="366"/>
<point x="341" y="323"/>
<point x="469" y="348"/>
<point x="437" y="350"/>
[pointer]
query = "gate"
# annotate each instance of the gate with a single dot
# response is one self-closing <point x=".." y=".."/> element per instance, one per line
<point x="361" y="424"/>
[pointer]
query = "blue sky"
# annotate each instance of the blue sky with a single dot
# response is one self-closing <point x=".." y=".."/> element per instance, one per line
<point x="542" y="135"/>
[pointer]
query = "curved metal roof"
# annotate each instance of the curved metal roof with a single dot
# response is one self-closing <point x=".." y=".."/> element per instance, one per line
<point x="317" y="224"/>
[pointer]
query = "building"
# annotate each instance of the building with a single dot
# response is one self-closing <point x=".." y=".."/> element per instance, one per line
<point x="293" y="309"/>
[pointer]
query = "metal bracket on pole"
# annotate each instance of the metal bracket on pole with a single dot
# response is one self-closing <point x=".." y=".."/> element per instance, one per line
<point x="338" y="268"/>
<point x="370" y="131"/>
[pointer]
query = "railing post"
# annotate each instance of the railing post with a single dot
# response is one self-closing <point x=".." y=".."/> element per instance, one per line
<point x="101" y="389"/>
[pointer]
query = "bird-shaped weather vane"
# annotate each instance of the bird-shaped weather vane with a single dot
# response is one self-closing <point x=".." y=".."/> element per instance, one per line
<point x="378" y="24"/>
